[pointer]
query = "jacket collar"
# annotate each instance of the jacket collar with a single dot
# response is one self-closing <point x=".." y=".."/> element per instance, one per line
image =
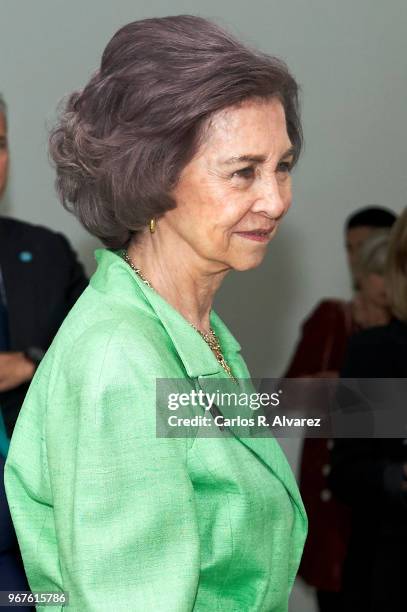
<point x="114" y="276"/>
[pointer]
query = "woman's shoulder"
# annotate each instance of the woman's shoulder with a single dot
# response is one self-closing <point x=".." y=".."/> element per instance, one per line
<point x="99" y="377"/>
<point x="328" y="312"/>
<point x="95" y="332"/>
<point x="332" y="306"/>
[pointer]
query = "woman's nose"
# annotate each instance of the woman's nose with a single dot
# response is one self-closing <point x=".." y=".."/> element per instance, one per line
<point x="274" y="198"/>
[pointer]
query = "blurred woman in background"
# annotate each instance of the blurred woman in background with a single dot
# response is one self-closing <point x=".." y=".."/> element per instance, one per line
<point x="370" y="474"/>
<point x="371" y="304"/>
<point x="319" y="354"/>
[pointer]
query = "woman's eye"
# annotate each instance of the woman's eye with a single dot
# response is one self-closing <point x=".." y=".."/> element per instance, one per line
<point x="245" y="173"/>
<point x="284" y="166"/>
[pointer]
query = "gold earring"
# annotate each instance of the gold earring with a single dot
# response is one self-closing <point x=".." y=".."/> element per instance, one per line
<point x="152" y="225"/>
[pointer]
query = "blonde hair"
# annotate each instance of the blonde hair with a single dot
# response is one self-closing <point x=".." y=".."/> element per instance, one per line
<point x="396" y="268"/>
<point x="372" y="255"/>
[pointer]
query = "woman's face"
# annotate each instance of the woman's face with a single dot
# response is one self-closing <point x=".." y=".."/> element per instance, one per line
<point x="373" y="289"/>
<point x="232" y="195"/>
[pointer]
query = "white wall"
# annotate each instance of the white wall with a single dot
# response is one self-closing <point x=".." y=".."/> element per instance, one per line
<point x="350" y="58"/>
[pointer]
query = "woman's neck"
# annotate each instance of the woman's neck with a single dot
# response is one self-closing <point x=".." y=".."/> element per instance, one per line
<point x="179" y="275"/>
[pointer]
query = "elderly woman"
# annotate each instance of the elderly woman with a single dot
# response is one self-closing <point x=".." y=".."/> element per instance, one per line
<point x="177" y="155"/>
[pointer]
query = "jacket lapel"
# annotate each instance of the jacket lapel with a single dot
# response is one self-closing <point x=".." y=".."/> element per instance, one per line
<point x="265" y="447"/>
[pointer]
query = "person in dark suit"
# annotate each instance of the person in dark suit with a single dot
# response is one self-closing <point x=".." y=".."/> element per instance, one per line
<point x="40" y="280"/>
<point x="370" y="474"/>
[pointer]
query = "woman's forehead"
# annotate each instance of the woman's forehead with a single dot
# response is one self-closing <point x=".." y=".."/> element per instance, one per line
<point x="256" y="128"/>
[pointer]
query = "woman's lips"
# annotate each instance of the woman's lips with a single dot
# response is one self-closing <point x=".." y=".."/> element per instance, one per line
<point x="256" y="235"/>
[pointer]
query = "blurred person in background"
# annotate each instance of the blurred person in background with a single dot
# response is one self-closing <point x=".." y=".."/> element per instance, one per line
<point x="371" y="474"/>
<point x="371" y="301"/>
<point x="40" y="280"/>
<point x="320" y="353"/>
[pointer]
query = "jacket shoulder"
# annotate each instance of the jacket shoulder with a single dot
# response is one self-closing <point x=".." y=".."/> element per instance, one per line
<point x="15" y="229"/>
<point x="127" y="340"/>
<point x="25" y="227"/>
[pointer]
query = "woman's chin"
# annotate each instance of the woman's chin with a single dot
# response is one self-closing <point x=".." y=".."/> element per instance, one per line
<point x="248" y="263"/>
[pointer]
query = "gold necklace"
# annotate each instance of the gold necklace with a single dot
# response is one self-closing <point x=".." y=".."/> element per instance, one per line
<point x="210" y="338"/>
<point x="212" y="341"/>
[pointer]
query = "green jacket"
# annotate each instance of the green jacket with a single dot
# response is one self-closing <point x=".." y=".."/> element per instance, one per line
<point x="122" y="519"/>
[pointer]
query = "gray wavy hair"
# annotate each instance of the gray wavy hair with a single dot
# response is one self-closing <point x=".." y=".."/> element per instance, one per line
<point x="122" y="141"/>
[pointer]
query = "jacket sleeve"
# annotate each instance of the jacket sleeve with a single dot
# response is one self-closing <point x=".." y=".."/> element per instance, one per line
<point x="103" y="508"/>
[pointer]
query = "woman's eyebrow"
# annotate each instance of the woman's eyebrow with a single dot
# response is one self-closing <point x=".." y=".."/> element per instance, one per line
<point x="245" y="158"/>
<point x="252" y="158"/>
<point x="290" y="151"/>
